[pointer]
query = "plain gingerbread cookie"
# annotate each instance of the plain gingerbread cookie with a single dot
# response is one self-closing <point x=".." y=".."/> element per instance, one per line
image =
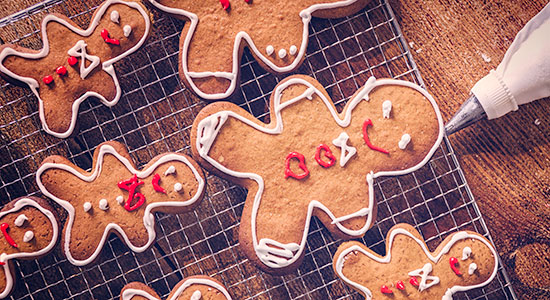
<point x="192" y="288"/>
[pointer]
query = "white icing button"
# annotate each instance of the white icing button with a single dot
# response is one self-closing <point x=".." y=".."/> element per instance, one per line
<point x="170" y="170"/>
<point x="178" y="187"/>
<point x="282" y="53"/>
<point x="103" y="204"/>
<point x="466" y="252"/>
<point x="119" y="199"/>
<point x="293" y="50"/>
<point x="472" y="268"/>
<point x="115" y="16"/>
<point x="29" y="235"/>
<point x="20" y="220"/>
<point x="196" y="295"/>
<point x="87" y="206"/>
<point x="127" y="29"/>
<point x="405" y="140"/>
<point x="386" y="109"/>
<point x="269" y="50"/>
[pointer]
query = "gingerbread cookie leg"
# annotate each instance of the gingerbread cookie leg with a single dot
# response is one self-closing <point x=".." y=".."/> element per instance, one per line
<point x="463" y="261"/>
<point x="193" y="288"/>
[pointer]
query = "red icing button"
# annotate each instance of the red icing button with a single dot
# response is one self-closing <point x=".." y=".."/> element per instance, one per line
<point x="328" y="154"/>
<point x="62" y="71"/>
<point x="108" y="40"/>
<point x="366" y="138"/>
<point x="413" y="281"/>
<point x="156" y="186"/>
<point x="399" y="285"/>
<point x="301" y="164"/>
<point x="386" y="290"/>
<point x="47" y="79"/>
<point x="453" y="262"/>
<point x="225" y="4"/>
<point x="4" y="227"/>
<point x="131" y="185"/>
<point x="72" y="60"/>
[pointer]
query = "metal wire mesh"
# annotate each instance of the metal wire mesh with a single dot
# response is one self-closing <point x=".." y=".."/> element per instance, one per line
<point x="155" y="115"/>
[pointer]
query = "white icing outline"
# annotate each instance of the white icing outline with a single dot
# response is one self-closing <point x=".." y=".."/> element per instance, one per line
<point x="107" y="65"/>
<point x="461" y="235"/>
<point x="239" y="37"/>
<point x="209" y="127"/>
<point x="19" y="204"/>
<point x="128" y="294"/>
<point x="148" y="217"/>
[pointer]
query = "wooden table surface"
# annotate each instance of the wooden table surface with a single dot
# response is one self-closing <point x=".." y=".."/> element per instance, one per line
<point x="506" y="161"/>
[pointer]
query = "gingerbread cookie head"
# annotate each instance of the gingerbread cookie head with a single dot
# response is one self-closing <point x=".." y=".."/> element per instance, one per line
<point x="116" y="197"/>
<point x="464" y="260"/>
<point x="74" y="63"/>
<point x="192" y="288"/>
<point x="312" y="160"/>
<point x="213" y="40"/>
<point x="29" y="230"/>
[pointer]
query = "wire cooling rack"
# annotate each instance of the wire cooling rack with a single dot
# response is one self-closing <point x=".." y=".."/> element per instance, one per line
<point x="155" y="115"/>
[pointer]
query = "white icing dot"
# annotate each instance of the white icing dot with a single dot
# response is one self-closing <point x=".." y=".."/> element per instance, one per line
<point x="103" y="204"/>
<point x="119" y="199"/>
<point x="178" y="187"/>
<point x="282" y="53"/>
<point x="170" y="170"/>
<point x="29" y="235"/>
<point x="196" y="295"/>
<point x="466" y="252"/>
<point x="20" y="220"/>
<point x="386" y="109"/>
<point x="87" y="206"/>
<point x="269" y="50"/>
<point x="115" y="16"/>
<point x="472" y="268"/>
<point x="127" y="29"/>
<point x="405" y="140"/>
<point x="293" y="50"/>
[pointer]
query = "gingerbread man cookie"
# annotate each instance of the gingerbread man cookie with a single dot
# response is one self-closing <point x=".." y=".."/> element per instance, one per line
<point x="116" y="197"/>
<point x="75" y="64"/>
<point x="463" y="261"/>
<point x="192" y="288"/>
<point x="29" y="230"/>
<point x="213" y="39"/>
<point x="311" y="160"/>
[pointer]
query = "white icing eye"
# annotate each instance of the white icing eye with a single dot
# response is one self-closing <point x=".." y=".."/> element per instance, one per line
<point x="115" y="16"/>
<point x="119" y="199"/>
<point x="196" y="295"/>
<point x="386" y="109"/>
<point x="282" y="53"/>
<point x="472" y="268"/>
<point x="127" y="29"/>
<point x="29" y="235"/>
<point x="269" y="50"/>
<point x="170" y="170"/>
<point x="466" y="252"/>
<point x="20" y="220"/>
<point x="405" y="140"/>
<point x="103" y="204"/>
<point x="178" y="187"/>
<point x="293" y="50"/>
<point x="87" y="206"/>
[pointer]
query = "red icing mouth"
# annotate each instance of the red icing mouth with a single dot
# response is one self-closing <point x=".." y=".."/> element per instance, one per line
<point x="4" y="227"/>
<point x="107" y="39"/>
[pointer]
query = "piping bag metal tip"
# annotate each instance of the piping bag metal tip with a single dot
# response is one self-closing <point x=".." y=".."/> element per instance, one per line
<point x="470" y="112"/>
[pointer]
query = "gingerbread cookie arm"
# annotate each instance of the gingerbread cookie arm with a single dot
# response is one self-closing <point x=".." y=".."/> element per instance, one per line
<point x="138" y="291"/>
<point x="193" y="288"/>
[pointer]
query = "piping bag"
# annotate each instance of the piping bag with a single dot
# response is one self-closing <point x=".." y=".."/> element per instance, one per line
<point x="522" y="76"/>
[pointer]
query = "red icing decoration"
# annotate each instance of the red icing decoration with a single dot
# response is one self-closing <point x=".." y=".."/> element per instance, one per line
<point x="47" y="79"/>
<point x="108" y="40"/>
<point x="156" y="186"/>
<point x="453" y="262"/>
<point x="328" y="154"/>
<point x="366" y="138"/>
<point x="4" y="227"/>
<point x="225" y="4"/>
<point x="247" y="1"/>
<point x="62" y="71"/>
<point x="386" y="290"/>
<point x="131" y="185"/>
<point x="2" y="263"/>
<point x="302" y="165"/>
<point x="399" y="285"/>
<point x="414" y="282"/>
<point x="72" y="60"/>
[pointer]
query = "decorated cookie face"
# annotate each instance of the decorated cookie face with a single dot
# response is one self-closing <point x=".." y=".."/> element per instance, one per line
<point x="191" y="288"/>
<point x="276" y="32"/>
<point x="463" y="261"/>
<point x="29" y="230"/>
<point x="75" y="64"/>
<point x="313" y="161"/>
<point x="116" y="197"/>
